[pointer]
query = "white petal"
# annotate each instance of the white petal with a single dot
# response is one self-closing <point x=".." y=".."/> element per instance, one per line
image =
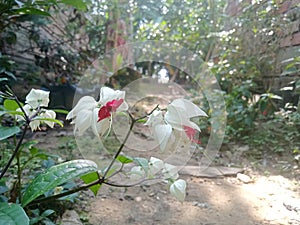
<point x="28" y="110"/>
<point x="34" y="124"/>
<point x="49" y="114"/>
<point x="85" y="103"/>
<point x="37" y="98"/>
<point x="179" y="113"/>
<point x="170" y="172"/>
<point x="136" y="173"/>
<point x="186" y="108"/>
<point x="178" y="189"/>
<point x="122" y="107"/>
<point x="193" y="125"/>
<point x="162" y="133"/>
<point x="101" y="127"/>
<point x="175" y="119"/>
<point x="155" y="118"/>
<point x="107" y="94"/>
<point x="83" y="121"/>
<point x="155" y="166"/>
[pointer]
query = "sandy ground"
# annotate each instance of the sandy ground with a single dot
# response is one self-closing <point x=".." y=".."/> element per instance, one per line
<point x="271" y="196"/>
<point x="219" y="201"/>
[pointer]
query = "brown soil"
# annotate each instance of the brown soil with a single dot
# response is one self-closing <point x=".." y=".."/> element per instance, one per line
<point x="225" y="201"/>
<point x="272" y="197"/>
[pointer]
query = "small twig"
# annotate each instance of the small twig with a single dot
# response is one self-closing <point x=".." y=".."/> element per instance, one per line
<point x="53" y="197"/>
<point x="145" y="116"/>
<point x="101" y="179"/>
<point x="120" y="149"/>
<point x="128" y="185"/>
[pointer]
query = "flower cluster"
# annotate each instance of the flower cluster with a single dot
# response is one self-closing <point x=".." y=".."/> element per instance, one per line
<point x="97" y="114"/>
<point x="177" y="117"/>
<point x="35" y="113"/>
<point x="164" y="124"/>
<point x="159" y="169"/>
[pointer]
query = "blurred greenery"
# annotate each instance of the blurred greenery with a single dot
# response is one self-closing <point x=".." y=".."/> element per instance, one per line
<point x="52" y="43"/>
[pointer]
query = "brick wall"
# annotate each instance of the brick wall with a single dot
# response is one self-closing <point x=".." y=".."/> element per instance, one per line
<point x="289" y="45"/>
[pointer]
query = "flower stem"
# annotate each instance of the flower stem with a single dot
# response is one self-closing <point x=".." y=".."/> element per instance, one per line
<point x="15" y="152"/>
<point x="120" y="148"/>
<point x="103" y="179"/>
<point x="19" y="184"/>
<point x="12" y="94"/>
<point x="53" y="197"/>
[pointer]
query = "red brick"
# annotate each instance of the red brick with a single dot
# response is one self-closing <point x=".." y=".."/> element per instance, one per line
<point x="232" y="8"/>
<point x="286" y="41"/>
<point x="296" y="39"/>
<point x="285" y="6"/>
<point x="295" y="3"/>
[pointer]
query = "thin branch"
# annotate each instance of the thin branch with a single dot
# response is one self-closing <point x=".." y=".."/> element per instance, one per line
<point x="15" y="152"/>
<point x="120" y="148"/>
<point x="22" y="136"/>
<point x="128" y="185"/>
<point x="53" y="197"/>
<point x="103" y="179"/>
<point x="145" y="116"/>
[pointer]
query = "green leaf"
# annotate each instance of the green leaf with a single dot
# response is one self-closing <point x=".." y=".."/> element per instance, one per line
<point x="35" y="153"/>
<point x="11" y="113"/>
<point x="119" y="60"/>
<point x="47" y="212"/>
<point x="12" y="214"/>
<point x="51" y="120"/>
<point x="55" y="176"/>
<point x="142" y="162"/>
<point x="29" y="144"/>
<point x="31" y="11"/>
<point x="89" y="178"/>
<point x="10" y="105"/>
<point x="78" y="4"/>
<point x="34" y="150"/>
<point x="3" y="79"/>
<point x="62" y="111"/>
<point x="124" y="159"/>
<point x="6" y="132"/>
<point x="11" y="75"/>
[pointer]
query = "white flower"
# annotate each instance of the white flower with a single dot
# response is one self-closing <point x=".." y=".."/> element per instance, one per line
<point x="48" y="114"/>
<point x="178" y="189"/>
<point x="107" y="94"/>
<point x="179" y="113"/>
<point x="161" y="131"/>
<point x="137" y="172"/>
<point x="30" y="112"/>
<point x="170" y="172"/>
<point x="155" y="118"/>
<point x="177" y="117"/>
<point x="83" y="114"/>
<point x="155" y="165"/>
<point x="37" y="98"/>
<point x="36" y="117"/>
<point x="97" y="115"/>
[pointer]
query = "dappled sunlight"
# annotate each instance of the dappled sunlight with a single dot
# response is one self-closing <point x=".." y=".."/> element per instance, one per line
<point x="209" y="201"/>
<point x="150" y="112"/>
<point x="275" y="194"/>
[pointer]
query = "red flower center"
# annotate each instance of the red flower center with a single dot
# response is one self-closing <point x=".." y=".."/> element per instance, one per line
<point x="192" y="134"/>
<point x="106" y="110"/>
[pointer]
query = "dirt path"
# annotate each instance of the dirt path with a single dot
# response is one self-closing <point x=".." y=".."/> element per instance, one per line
<point x="272" y="199"/>
<point x="227" y="201"/>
